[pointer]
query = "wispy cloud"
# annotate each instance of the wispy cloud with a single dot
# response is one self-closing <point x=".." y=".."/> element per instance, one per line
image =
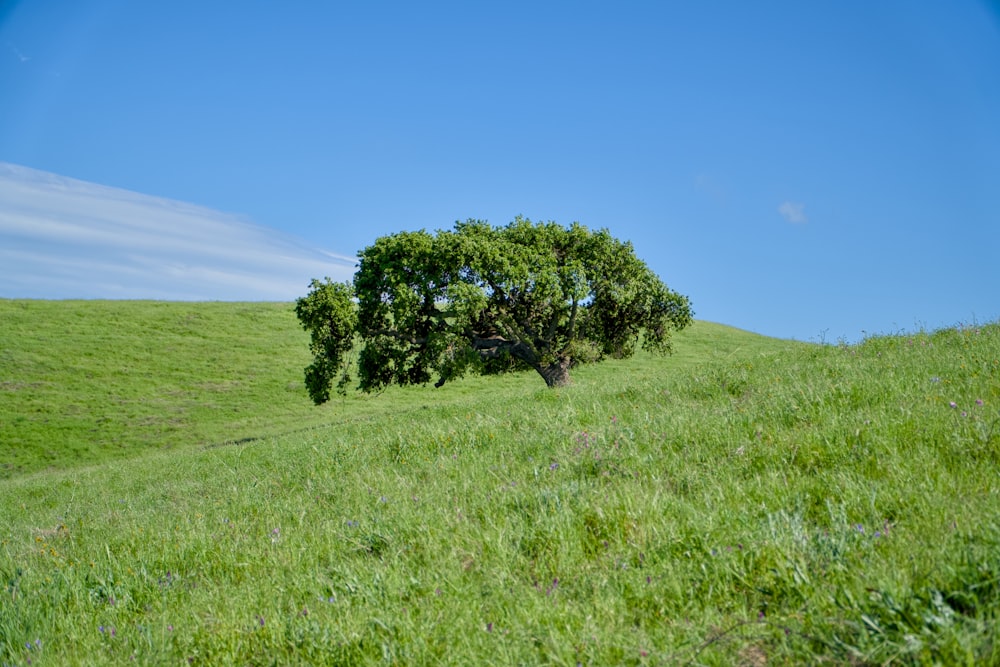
<point x="793" y="212"/>
<point x="65" y="238"/>
<point x="17" y="52"/>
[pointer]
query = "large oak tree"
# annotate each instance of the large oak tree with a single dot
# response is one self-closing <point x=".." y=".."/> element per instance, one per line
<point x="485" y="299"/>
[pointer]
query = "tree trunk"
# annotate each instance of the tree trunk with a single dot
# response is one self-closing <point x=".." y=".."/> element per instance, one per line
<point x="555" y="374"/>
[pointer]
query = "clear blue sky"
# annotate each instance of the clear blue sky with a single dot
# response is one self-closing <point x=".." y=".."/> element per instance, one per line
<point x="800" y="169"/>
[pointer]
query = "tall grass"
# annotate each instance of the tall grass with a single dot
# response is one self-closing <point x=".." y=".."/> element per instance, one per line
<point x="85" y="382"/>
<point x="766" y="503"/>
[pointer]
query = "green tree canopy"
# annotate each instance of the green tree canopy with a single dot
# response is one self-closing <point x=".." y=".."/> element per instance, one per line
<point x="486" y="299"/>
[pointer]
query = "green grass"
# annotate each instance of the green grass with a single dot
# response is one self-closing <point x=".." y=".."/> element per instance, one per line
<point x="747" y="501"/>
<point x="85" y="382"/>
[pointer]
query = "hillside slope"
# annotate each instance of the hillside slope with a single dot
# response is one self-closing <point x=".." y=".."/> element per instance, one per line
<point x="756" y="502"/>
<point x="82" y="382"/>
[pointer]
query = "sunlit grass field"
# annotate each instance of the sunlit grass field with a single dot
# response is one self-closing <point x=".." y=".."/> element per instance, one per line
<point x="170" y="496"/>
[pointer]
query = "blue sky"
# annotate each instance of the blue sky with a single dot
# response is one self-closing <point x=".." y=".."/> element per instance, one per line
<point x="811" y="170"/>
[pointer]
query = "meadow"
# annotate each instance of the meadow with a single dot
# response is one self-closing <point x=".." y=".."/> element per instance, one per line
<point x="171" y="496"/>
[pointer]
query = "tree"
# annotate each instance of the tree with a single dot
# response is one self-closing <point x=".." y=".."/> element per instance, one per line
<point x="486" y="299"/>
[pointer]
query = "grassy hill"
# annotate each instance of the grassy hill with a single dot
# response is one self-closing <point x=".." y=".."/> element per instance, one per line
<point x="84" y="382"/>
<point x="172" y="497"/>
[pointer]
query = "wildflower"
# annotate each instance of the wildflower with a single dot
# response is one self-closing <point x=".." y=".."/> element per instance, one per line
<point x="860" y="528"/>
<point x="952" y="404"/>
<point x="260" y="621"/>
<point x="979" y="401"/>
<point x="935" y="379"/>
<point x="553" y="466"/>
<point x="489" y="627"/>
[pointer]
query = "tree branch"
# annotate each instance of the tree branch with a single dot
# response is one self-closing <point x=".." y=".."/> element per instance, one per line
<point x="493" y="346"/>
<point x="392" y="333"/>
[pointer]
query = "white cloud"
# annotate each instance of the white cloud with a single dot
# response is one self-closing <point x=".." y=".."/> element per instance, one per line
<point x="17" y="52"/>
<point x="793" y="212"/>
<point x="63" y="238"/>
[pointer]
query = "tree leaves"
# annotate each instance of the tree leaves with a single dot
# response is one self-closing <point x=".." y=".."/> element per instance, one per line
<point x="329" y="315"/>
<point x="487" y="299"/>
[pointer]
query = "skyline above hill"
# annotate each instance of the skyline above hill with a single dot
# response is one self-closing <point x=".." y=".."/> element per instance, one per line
<point x="64" y="238"/>
<point x="810" y="171"/>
